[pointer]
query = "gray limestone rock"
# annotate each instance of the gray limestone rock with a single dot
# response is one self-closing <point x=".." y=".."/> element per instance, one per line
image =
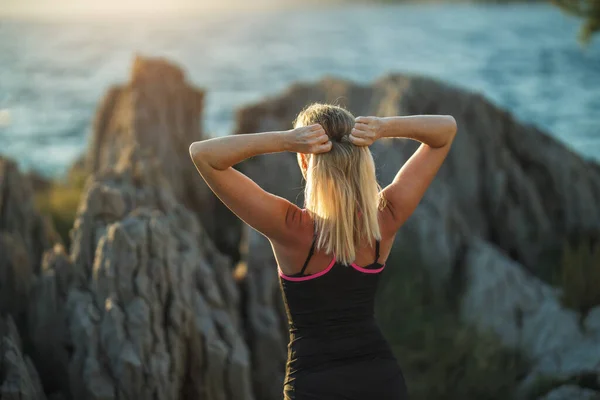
<point x="19" y="379"/>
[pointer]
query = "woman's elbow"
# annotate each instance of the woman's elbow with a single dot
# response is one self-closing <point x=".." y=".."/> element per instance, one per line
<point x="452" y="128"/>
<point x="196" y="150"/>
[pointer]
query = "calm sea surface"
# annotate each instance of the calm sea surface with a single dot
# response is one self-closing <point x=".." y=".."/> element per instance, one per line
<point x="524" y="58"/>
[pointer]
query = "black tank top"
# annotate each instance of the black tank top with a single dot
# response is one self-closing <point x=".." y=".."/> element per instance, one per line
<point x="331" y="316"/>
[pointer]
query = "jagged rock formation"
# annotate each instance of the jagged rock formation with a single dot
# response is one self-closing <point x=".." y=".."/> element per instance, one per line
<point x="571" y="392"/>
<point x="508" y="183"/>
<point x="161" y="111"/>
<point x="48" y="318"/>
<point x="504" y="200"/>
<point x="527" y="314"/>
<point x="144" y="306"/>
<point x="266" y="329"/>
<point x="18" y="378"/>
<point x="24" y="235"/>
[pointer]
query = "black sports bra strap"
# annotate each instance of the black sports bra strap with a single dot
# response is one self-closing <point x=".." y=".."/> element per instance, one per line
<point x="376" y="250"/>
<point x="310" y="254"/>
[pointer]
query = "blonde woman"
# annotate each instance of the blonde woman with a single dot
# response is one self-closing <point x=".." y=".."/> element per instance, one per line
<point x="330" y="254"/>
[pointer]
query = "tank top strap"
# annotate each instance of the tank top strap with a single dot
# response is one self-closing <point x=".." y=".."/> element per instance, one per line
<point x="310" y="254"/>
<point x="376" y="250"/>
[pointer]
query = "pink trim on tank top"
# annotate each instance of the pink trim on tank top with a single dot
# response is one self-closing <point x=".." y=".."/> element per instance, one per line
<point x="366" y="270"/>
<point x="307" y="277"/>
<point x="326" y="270"/>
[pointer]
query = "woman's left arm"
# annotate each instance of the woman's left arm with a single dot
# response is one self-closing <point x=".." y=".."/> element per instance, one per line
<point x="265" y="212"/>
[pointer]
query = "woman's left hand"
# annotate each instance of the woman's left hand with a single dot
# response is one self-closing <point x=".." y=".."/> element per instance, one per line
<point x="310" y="139"/>
<point x="366" y="131"/>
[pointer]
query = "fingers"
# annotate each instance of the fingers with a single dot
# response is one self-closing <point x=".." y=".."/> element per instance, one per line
<point x="362" y="120"/>
<point x="360" y="129"/>
<point x="358" y="141"/>
<point x="318" y="140"/>
<point x="362" y="133"/>
<point x="315" y="135"/>
<point x="323" y="148"/>
<point x="322" y="144"/>
<point x="322" y="138"/>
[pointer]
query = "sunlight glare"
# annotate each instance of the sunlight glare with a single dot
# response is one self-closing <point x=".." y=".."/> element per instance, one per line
<point x="125" y="7"/>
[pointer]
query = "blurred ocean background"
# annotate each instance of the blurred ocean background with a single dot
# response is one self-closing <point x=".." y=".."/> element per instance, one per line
<point x="524" y="57"/>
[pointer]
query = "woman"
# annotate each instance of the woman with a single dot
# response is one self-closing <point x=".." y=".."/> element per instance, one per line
<point x="331" y="253"/>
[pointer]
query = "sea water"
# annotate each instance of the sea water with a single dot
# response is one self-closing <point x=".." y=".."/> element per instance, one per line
<point x="525" y="58"/>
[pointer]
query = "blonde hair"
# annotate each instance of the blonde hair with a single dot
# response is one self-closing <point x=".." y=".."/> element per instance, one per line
<point x="341" y="194"/>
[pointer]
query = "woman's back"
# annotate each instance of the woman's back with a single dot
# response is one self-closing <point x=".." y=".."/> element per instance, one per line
<point x="331" y="316"/>
<point x="336" y="350"/>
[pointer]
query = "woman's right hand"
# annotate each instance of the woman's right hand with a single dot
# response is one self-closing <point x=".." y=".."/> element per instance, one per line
<point x="310" y="139"/>
<point x="366" y="131"/>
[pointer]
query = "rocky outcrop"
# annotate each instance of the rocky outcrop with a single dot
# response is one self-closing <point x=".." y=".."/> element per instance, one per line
<point x="266" y="329"/>
<point x="51" y="344"/>
<point x="571" y="392"/>
<point x="144" y="306"/>
<point x="161" y="112"/>
<point x="18" y="378"/>
<point x="24" y="236"/>
<point x="493" y="219"/>
<point x="525" y="313"/>
<point x="506" y="182"/>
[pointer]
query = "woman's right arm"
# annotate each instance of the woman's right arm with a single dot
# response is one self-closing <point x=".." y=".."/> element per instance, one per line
<point x="435" y="132"/>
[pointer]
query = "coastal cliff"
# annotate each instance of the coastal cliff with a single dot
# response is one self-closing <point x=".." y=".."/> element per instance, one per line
<point x="149" y="301"/>
<point x="491" y="225"/>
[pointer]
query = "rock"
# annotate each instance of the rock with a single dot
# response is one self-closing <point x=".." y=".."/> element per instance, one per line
<point x="499" y="295"/>
<point x="18" y="216"/>
<point x="266" y="328"/>
<point x="503" y="202"/>
<point x="24" y="235"/>
<point x="571" y="392"/>
<point x="161" y="112"/>
<point x="503" y="181"/>
<point x="47" y="320"/>
<point x="135" y="311"/>
<point x="145" y="306"/>
<point x="592" y="321"/>
<point x="525" y="313"/>
<point x="18" y="378"/>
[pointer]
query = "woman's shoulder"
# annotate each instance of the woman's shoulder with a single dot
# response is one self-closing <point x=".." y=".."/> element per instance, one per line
<point x="298" y="219"/>
<point x="298" y="227"/>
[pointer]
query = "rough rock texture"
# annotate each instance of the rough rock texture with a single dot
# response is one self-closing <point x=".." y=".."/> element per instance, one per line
<point x="47" y="320"/>
<point x="161" y="111"/>
<point x="24" y="235"/>
<point x="503" y="201"/>
<point x="526" y="314"/>
<point x="571" y="392"/>
<point x="266" y="329"/>
<point x="18" y="378"/>
<point x="144" y="307"/>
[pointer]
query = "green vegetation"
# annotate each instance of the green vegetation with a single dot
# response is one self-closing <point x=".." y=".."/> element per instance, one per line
<point x="60" y="201"/>
<point x="589" y="10"/>
<point x="579" y="272"/>
<point x="441" y="357"/>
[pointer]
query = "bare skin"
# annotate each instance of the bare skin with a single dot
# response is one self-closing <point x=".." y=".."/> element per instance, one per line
<point x="289" y="228"/>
